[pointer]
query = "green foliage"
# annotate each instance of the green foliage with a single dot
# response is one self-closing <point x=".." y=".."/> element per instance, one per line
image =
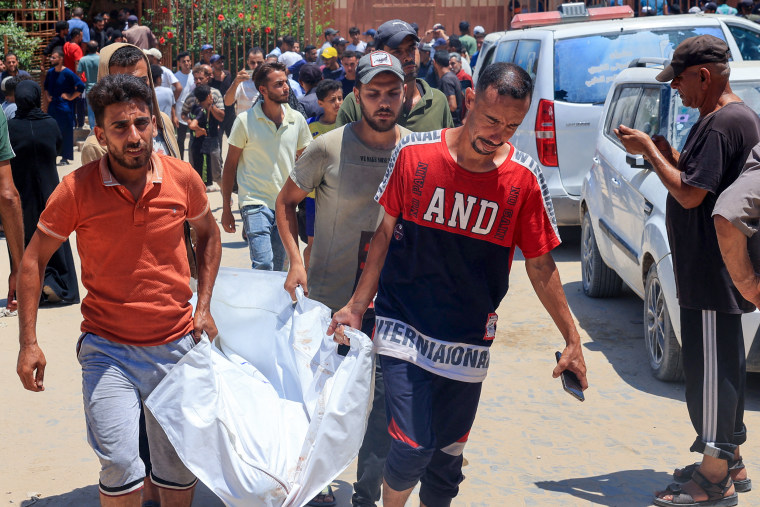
<point x="231" y="26"/>
<point x="19" y="42"/>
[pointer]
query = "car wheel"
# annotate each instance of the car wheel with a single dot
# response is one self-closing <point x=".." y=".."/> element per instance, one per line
<point x="599" y="281"/>
<point x="663" y="349"/>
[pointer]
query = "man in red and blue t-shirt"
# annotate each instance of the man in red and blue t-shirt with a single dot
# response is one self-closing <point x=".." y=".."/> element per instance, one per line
<point x="456" y="202"/>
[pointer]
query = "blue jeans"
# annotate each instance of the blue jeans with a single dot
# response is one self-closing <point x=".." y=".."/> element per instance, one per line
<point x="90" y="116"/>
<point x="264" y="243"/>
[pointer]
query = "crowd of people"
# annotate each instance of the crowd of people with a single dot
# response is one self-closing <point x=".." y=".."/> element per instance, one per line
<point x="445" y="63"/>
<point x="380" y="155"/>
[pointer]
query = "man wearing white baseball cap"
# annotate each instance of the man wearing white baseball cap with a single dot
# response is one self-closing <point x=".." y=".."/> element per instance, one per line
<point x="168" y="79"/>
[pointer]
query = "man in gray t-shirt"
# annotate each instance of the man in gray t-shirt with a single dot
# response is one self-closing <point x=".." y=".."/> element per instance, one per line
<point x="737" y="219"/>
<point x="344" y="167"/>
<point x="344" y="172"/>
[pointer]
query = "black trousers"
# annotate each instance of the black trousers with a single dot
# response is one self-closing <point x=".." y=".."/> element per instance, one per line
<point x="715" y="369"/>
<point x="377" y="441"/>
<point x="182" y="131"/>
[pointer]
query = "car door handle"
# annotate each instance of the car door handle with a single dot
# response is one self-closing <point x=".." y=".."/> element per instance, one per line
<point x="595" y="160"/>
<point x="648" y="207"/>
<point x="615" y="181"/>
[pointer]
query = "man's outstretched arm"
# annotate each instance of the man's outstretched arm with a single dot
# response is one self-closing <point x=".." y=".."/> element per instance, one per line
<point x="10" y="215"/>
<point x="544" y="277"/>
<point x="31" y="360"/>
<point x="287" y="225"/>
<point x="733" y="248"/>
<point x="209" y="250"/>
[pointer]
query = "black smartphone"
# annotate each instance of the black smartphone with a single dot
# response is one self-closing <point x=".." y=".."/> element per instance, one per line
<point x="570" y="382"/>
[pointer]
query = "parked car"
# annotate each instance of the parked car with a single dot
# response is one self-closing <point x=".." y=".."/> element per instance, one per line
<point x="623" y="235"/>
<point x="573" y="65"/>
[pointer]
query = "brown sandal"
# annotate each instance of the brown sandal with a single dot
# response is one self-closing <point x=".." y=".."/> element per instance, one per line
<point x="715" y="493"/>
<point x="741" y="485"/>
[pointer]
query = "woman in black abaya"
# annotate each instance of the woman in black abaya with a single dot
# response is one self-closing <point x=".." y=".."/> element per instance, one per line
<point x="36" y="140"/>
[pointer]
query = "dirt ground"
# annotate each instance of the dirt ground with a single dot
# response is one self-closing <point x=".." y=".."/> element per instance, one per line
<point x="532" y="444"/>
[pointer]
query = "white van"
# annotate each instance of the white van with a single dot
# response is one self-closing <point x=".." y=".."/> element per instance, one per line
<point x="573" y="65"/>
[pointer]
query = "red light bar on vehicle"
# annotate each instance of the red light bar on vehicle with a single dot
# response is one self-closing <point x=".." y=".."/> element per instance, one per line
<point x="556" y="17"/>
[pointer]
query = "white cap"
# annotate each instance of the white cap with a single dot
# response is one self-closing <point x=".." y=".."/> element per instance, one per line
<point x="154" y="52"/>
<point x="695" y="10"/>
<point x="478" y="30"/>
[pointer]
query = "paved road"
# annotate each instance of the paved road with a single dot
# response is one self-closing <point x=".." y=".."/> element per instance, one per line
<point x="532" y="444"/>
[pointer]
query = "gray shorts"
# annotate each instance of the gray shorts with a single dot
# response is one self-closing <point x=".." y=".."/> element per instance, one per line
<point x="115" y="380"/>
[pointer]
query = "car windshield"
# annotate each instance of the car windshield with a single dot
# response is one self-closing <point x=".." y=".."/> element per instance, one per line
<point x="584" y="67"/>
<point x="685" y="117"/>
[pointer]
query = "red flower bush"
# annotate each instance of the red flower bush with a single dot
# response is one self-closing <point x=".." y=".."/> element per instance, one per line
<point x="164" y="10"/>
<point x="169" y="35"/>
<point x="161" y="40"/>
<point x="220" y="17"/>
<point x="241" y="15"/>
<point x="268" y="30"/>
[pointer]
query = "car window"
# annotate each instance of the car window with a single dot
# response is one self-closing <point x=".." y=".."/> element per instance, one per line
<point x="487" y="59"/>
<point x="526" y="56"/>
<point x="622" y="109"/>
<point x="647" y="117"/>
<point x="584" y="67"/>
<point x="684" y="118"/>
<point x="747" y="40"/>
<point x="505" y="52"/>
<point x="749" y="92"/>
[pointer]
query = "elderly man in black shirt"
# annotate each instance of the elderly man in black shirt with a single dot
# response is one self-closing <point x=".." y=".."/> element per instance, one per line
<point x="711" y="306"/>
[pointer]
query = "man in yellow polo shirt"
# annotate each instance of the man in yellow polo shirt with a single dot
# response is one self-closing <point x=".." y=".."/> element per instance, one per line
<point x="263" y="146"/>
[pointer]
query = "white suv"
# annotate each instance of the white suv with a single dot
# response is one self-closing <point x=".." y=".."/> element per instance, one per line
<point x="573" y="65"/>
<point x="623" y="235"/>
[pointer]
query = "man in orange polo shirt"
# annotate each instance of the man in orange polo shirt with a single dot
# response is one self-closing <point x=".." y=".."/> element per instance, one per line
<point x="128" y="210"/>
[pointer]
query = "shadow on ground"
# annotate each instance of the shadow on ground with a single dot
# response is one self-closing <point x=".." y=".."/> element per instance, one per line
<point x="616" y="326"/>
<point x="89" y="497"/>
<point x="627" y="488"/>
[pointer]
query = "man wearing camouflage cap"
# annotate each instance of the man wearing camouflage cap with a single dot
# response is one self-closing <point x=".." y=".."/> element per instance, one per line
<point x="710" y="305"/>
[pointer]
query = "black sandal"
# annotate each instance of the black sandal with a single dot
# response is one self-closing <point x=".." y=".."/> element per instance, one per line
<point x="741" y="485"/>
<point x="715" y="493"/>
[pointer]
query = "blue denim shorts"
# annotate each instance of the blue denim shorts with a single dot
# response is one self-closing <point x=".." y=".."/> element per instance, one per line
<point x="116" y="378"/>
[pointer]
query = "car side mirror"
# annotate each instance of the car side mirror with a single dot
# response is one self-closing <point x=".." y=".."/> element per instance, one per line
<point x="638" y="162"/>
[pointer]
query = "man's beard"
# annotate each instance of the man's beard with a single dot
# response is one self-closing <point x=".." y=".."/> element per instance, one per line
<point x="280" y="99"/>
<point x="376" y="125"/>
<point x="481" y="152"/>
<point x="132" y="162"/>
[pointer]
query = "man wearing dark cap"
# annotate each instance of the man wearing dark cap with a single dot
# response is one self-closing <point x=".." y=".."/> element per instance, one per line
<point x="425" y="108"/>
<point x="469" y="43"/>
<point x="745" y="10"/>
<point x="139" y="35"/>
<point x="207" y="51"/>
<point x="344" y="167"/>
<point x="309" y="77"/>
<point x="710" y="305"/>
